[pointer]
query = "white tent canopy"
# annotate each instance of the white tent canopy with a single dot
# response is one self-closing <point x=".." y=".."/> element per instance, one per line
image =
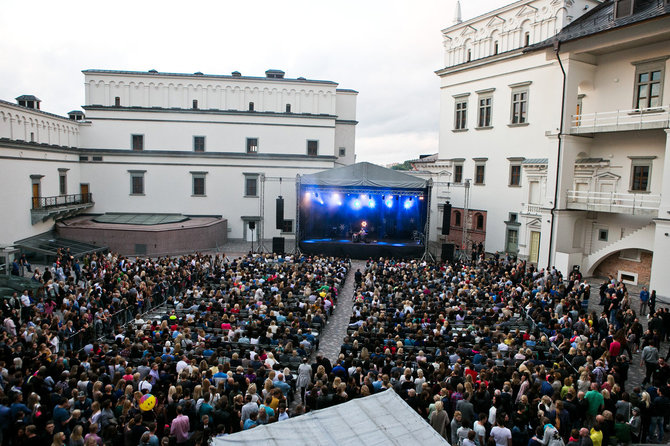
<point x="380" y="419"/>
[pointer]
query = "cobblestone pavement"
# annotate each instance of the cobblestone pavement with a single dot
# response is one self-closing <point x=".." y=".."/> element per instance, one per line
<point x="331" y="339"/>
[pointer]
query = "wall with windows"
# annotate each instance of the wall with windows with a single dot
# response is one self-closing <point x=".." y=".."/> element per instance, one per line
<point x="509" y="28"/>
<point x="206" y="92"/>
<point x="23" y="167"/>
<point x="493" y="141"/>
<point x="34" y="126"/>
<point x="174" y="131"/>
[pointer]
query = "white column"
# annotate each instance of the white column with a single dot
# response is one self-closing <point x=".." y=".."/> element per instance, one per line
<point x="660" y="264"/>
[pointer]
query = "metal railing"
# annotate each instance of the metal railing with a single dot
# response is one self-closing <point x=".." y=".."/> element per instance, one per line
<point x="61" y="200"/>
<point x="628" y="203"/>
<point x="634" y="119"/>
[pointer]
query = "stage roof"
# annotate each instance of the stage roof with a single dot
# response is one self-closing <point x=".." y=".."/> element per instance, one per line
<point x="364" y="175"/>
<point x="380" y="419"/>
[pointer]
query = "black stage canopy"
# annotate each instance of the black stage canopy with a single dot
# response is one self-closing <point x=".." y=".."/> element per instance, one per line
<point x="361" y="211"/>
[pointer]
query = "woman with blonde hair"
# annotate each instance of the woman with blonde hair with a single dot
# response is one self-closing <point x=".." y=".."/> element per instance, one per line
<point x="58" y="439"/>
<point x="76" y="437"/>
<point x="439" y="419"/>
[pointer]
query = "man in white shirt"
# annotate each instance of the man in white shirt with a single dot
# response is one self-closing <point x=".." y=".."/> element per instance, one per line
<point x="502" y="435"/>
<point x="182" y="364"/>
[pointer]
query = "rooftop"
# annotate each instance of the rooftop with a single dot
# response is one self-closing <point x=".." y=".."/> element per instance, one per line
<point x="199" y="75"/>
<point x="601" y="19"/>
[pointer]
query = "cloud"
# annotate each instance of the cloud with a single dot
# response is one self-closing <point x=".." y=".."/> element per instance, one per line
<point x="387" y="50"/>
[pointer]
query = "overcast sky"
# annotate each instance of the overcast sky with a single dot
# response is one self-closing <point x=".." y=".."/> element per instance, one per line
<point x="388" y="50"/>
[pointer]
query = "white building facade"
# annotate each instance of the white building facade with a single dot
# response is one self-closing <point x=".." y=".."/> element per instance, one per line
<point x="569" y="173"/>
<point x="191" y="144"/>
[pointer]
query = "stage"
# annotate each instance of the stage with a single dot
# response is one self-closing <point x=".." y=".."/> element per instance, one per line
<point x="362" y="250"/>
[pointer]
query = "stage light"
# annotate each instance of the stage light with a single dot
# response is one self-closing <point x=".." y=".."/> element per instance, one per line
<point x="389" y="202"/>
<point x="357" y="204"/>
<point x="371" y="203"/>
<point x="336" y="200"/>
<point x="421" y="197"/>
<point x="408" y="203"/>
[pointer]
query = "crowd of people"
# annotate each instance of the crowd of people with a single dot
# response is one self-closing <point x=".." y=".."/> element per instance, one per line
<point x="218" y="351"/>
<point x="490" y="352"/>
<point x="499" y="352"/>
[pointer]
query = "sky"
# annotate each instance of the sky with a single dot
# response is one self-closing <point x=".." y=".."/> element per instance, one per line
<point x="386" y="50"/>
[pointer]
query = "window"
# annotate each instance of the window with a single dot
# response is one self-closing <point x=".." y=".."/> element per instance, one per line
<point x="479" y="173"/>
<point x="630" y="254"/>
<point x="251" y="106"/>
<point x="479" y="222"/>
<point x="198" y="184"/>
<point x="515" y="175"/>
<point x="623" y="8"/>
<point x="526" y="39"/>
<point x="198" y="143"/>
<point x="640" y="175"/>
<point x="252" y="145"/>
<point x="457" y="219"/>
<point x="512" y="217"/>
<point x="288" y="226"/>
<point x="195" y="104"/>
<point x="484" y="115"/>
<point x="62" y="181"/>
<point x="312" y="148"/>
<point x="288" y="108"/>
<point x="251" y="184"/>
<point x="458" y="173"/>
<point x="138" y="142"/>
<point x="343" y="151"/>
<point x="117" y="101"/>
<point x="649" y="84"/>
<point x="461" y="116"/>
<point x="32" y="136"/>
<point x="469" y="55"/>
<point x="137" y="182"/>
<point x="519" y="106"/>
<point x="603" y="235"/>
<point x="495" y="47"/>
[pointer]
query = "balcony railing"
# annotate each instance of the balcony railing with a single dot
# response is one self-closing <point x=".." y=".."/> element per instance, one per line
<point x="61" y="201"/>
<point x="533" y="209"/>
<point x="621" y="120"/>
<point x="634" y="204"/>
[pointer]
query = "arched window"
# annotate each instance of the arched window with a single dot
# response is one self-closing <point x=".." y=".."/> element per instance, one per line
<point x="457" y="218"/>
<point x="479" y="221"/>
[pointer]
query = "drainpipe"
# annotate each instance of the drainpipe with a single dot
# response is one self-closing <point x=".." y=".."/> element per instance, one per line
<point x="557" y="48"/>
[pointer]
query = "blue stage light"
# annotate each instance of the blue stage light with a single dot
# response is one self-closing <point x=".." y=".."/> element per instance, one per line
<point x="389" y="202"/>
<point x="408" y="203"/>
<point x="356" y="204"/>
<point x="371" y="203"/>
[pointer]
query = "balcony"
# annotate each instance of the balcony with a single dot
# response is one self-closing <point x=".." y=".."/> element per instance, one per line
<point x="621" y="120"/>
<point x="633" y="204"/>
<point x="60" y="206"/>
<point x="532" y="209"/>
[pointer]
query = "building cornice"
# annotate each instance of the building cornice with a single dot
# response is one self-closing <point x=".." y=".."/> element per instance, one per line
<point x="209" y="111"/>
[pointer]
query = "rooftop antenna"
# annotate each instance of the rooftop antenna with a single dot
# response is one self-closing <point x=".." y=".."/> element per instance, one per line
<point x="457" y="13"/>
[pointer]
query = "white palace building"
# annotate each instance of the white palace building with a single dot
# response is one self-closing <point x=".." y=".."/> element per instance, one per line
<point x="155" y="153"/>
<point x="556" y="114"/>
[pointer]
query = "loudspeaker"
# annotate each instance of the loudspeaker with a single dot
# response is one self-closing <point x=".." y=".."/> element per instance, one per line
<point x="446" y="218"/>
<point x="278" y="245"/>
<point x="447" y="252"/>
<point x="280" y="212"/>
<point x="252" y="225"/>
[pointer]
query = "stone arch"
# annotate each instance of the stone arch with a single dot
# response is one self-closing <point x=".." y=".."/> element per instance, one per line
<point x="642" y="239"/>
<point x="480" y="222"/>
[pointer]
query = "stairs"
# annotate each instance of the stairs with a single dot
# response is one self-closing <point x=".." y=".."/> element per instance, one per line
<point x="642" y="238"/>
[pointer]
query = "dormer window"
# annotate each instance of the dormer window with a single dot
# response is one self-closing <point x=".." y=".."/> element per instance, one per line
<point x="28" y="101"/>
<point x="623" y="8"/>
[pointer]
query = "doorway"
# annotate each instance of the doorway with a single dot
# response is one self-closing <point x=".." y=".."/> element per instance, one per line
<point x="534" y="253"/>
<point x="84" y="191"/>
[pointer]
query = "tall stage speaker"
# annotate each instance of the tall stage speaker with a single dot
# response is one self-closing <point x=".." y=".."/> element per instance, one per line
<point x="278" y="245"/>
<point x="447" y="252"/>
<point x="280" y="212"/>
<point x="446" y="218"/>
